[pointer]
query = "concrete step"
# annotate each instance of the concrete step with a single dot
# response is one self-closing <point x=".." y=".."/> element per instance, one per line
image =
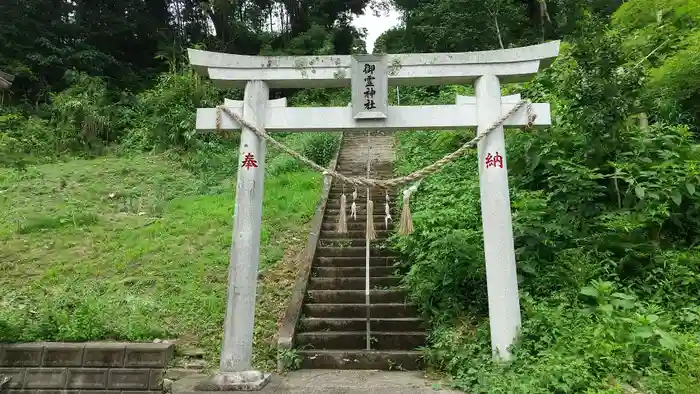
<point x="379" y="204"/>
<point x="334" y="211"/>
<point x="355" y="296"/>
<point x="384" y="360"/>
<point x="375" y="136"/>
<point x="359" y="160"/>
<point x="359" y="157"/>
<point x="334" y="202"/>
<point x="360" y="324"/>
<point x="331" y="224"/>
<point x="377" y="199"/>
<point x="359" y="170"/>
<point x="357" y="152"/>
<point x="392" y="310"/>
<point x="378" y="218"/>
<point x="361" y="189"/>
<point x="334" y="198"/>
<point x="377" y="196"/>
<point x="358" y="339"/>
<point x="352" y="283"/>
<point x="360" y="144"/>
<point x="352" y="235"/>
<point x="378" y="134"/>
<point x="360" y="141"/>
<point x="345" y="242"/>
<point x="362" y="195"/>
<point x="354" y="261"/>
<point x="351" y="272"/>
<point x="352" y="251"/>
<point x="334" y="207"/>
<point x="361" y="138"/>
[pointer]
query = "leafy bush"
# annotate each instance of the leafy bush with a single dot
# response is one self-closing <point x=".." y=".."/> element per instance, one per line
<point x="164" y="116"/>
<point x="85" y="113"/>
<point x="79" y="121"/>
<point x="29" y="139"/>
<point x="662" y="35"/>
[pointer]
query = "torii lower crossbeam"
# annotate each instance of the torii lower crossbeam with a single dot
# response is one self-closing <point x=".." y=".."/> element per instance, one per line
<point x="428" y="117"/>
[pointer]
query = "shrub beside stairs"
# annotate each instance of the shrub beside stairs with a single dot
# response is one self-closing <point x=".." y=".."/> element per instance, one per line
<point x="331" y="332"/>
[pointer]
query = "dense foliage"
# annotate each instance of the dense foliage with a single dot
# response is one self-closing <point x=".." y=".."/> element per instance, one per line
<point x="605" y="203"/>
<point x="605" y="215"/>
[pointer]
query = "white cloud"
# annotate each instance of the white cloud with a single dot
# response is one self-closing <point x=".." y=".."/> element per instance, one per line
<point x="376" y="25"/>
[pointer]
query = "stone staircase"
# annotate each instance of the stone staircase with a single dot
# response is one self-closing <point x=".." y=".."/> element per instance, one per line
<point x="332" y="328"/>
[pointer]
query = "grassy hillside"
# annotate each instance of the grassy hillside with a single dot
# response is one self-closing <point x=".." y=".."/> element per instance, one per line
<point x="137" y="248"/>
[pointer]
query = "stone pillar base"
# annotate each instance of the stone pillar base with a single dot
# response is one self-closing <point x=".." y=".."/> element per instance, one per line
<point x="234" y="381"/>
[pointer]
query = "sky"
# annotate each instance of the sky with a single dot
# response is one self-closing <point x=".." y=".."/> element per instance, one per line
<point x="375" y="25"/>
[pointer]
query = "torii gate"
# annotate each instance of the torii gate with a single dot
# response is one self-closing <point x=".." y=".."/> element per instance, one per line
<point x="369" y="77"/>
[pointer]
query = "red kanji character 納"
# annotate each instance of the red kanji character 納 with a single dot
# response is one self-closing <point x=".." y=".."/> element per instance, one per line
<point x="249" y="161"/>
<point x="494" y="160"/>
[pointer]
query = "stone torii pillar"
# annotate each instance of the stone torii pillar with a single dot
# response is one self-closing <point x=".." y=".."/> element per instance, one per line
<point x="496" y="221"/>
<point x="486" y="69"/>
<point x="235" y="370"/>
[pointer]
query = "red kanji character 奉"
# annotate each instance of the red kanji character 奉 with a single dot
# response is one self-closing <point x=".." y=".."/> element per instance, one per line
<point x="493" y="161"/>
<point x="249" y="161"/>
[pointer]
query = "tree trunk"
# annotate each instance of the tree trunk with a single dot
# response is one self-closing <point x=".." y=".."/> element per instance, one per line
<point x="498" y="31"/>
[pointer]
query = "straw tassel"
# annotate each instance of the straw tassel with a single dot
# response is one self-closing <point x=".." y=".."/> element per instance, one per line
<point x="371" y="233"/>
<point x="342" y="221"/>
<point x="387" y="212"/>
<point x="353" y="207"/>
<point x="406" y="222"/>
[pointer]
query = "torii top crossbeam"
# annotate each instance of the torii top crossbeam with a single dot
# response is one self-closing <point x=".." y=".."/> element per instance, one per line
<point x="510" y="65"/>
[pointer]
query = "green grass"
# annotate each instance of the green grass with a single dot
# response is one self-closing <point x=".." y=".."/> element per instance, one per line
<point x="137" y="248"/>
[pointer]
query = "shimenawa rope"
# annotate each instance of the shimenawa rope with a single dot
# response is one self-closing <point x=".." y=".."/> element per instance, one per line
<point x="379" y="183"/>
<point x="406" y="223"/>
